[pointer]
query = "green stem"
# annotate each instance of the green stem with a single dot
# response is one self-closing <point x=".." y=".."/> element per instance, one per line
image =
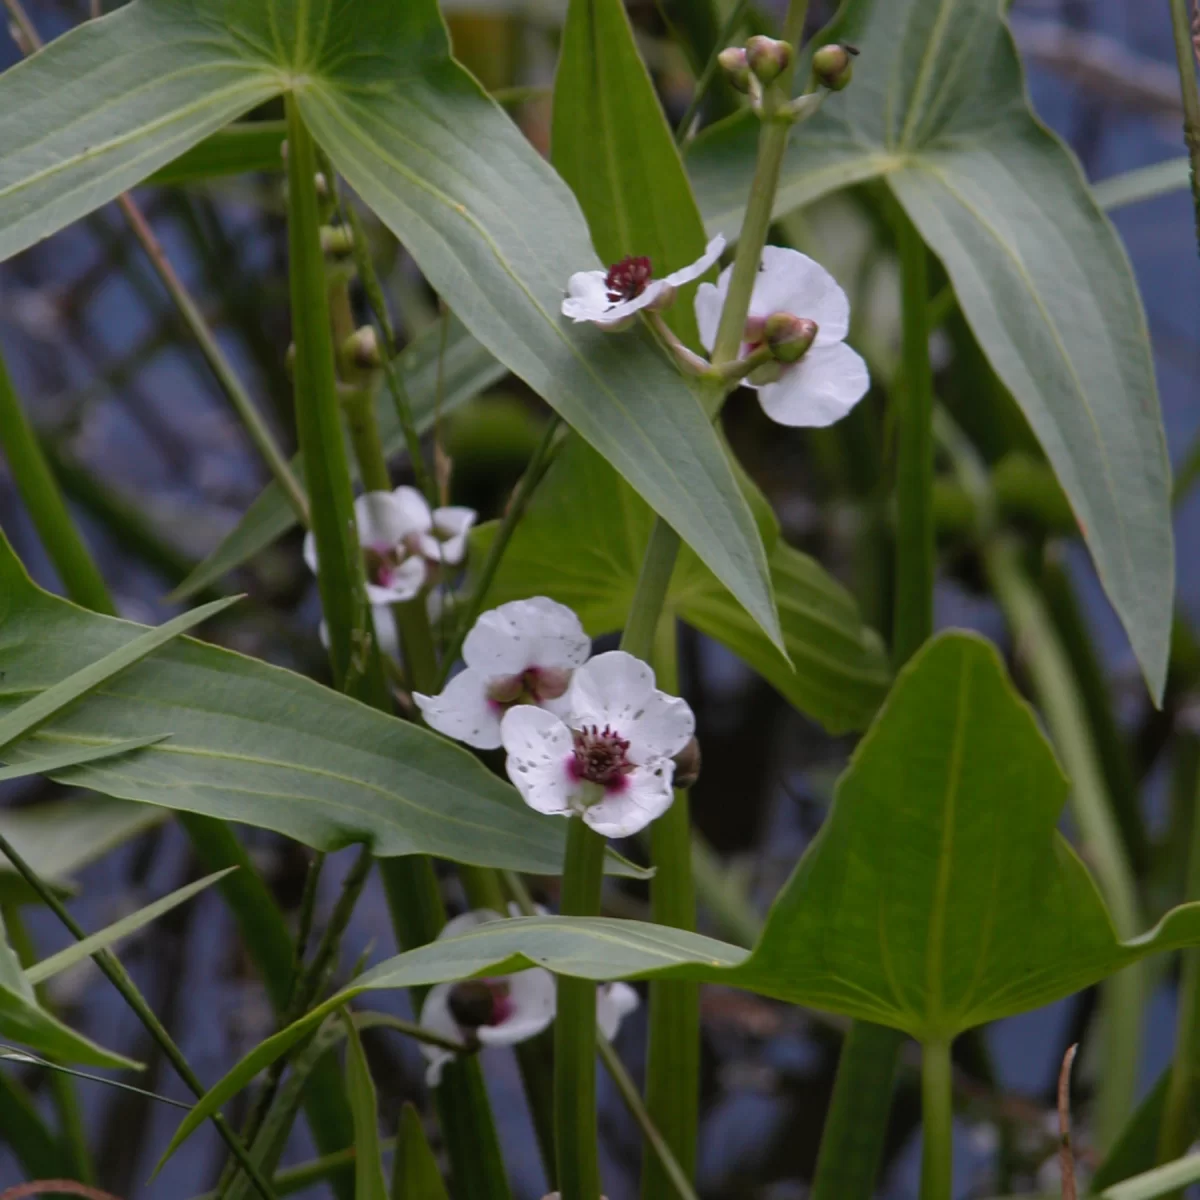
<point x="109" y="964"/>
<point x="937" y="1120"/>
<point x="1123" y="994"/>
<point x="1185" y="54"/>
<point x="363" y="427"/>
<point x="650" y="594"/>
<point x="519" y="500"/>
<point x="577" y="1152"/>
<point x="913" y="619"/>
<point x="31" y="472"/>
<point x="673" y="1055"/>
<point x="856" y="1125"/>
<point x="416" y="644"/>
<point x="1176" y="1130"/>
<point x="66" y="1099"/>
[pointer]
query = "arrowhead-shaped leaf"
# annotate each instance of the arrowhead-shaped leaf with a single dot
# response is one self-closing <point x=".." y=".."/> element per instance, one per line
<point x="938" y="109"/>
<point x="255" y="744"/>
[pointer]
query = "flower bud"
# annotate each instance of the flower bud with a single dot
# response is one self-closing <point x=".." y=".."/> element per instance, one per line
<point x="737" y="70"/>
<point x="361" y="349"/>
<point x="687" y="764"/>
<point x="833" y="66"/>
<point x="336" y="240"/>
<point x="472" y="1003"/>
<point x="506" y="689"/>
<point x="789" y="337"/>
<point x="767" y="58"/>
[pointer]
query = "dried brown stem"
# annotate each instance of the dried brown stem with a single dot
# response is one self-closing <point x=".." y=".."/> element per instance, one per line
<point x="1066" y="1154"/>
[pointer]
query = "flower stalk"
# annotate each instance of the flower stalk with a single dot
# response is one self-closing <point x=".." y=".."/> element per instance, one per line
<point x="937" y="1119"/>
<point x="1186" y="55"/>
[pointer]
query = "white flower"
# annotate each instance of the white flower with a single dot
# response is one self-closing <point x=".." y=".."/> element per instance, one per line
<point x="520" y="653"/>
<point x="610" y="760"/>
<point x="500" y="1010"/>
<point x="400" y="538"/>
<point x="614" y="1002"/>
<point x="831" y="378"/>
<point x="608" y="297"/>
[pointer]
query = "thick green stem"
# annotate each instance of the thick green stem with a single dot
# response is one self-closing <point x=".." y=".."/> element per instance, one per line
<point x="913" y="621"/>
<point x="1178" y="1125"/>
<point x="1185" y="54"/>
<point x="856" y="1125"/>
<point x="937" y="1120"/>
<point x="363" y="427"/>
<point x="673" y="1056"/>
<point x="1123" y="994"/>
<point x="31" y="472"/>
<point x="576" y="1145"/>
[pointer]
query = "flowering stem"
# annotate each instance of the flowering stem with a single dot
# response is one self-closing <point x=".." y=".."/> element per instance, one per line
<point x="576" y="1146"/>
<point x="937" y="1118"/>
<point x="1185" y="53"/>
<point x="673" y="1057"/>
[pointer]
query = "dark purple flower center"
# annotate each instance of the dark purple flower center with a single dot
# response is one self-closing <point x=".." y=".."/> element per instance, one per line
<point x="601" y="756"/>
<point x="477" y="1002"/>
<point x="381" y="563"/>
<point x="627" y="279"/>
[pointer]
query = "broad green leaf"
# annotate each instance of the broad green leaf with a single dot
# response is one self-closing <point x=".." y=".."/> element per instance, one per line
<point x="243" y="147"/>
<point x="495" y="231"/>
<point x="466" y="369"/>
<point x="258" y="745"/>
<point x="1144" y="183"/>
<point x="415" y="1174"/>
<point x="57" y="838"/>
<point x="938" y="109"/>
<point x="581" y="542"/>
<point x="108" y="104"/>
<point x="23" y="1020"/>
<point x="113" y="933"/>
<point x="369" y="1180"/>
<point x="610" y="141"/>
<point x="1161" y="1181"/>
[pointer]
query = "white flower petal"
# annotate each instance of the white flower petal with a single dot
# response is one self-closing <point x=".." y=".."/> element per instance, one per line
<point x="310" y="551"/>
<point x="539" y="746"/>
<point x="587" y="293"/>
<point x="665" y="726"/>
<point x="614" y="1002"/>
<point x="686" y="274"/>
<point x="532" y="995"/>
<point x="646" y="796"/>
<point x="610" y="689"/>
<point x="526" y="633"/>
<point x="710" y="299"/>
<point x="466" y="921"/>
<point x="383" y="522"/>
<point x="437" y="1018"/>
<point x="413" y="511"/>
<point x="789" y="281"/>
<point x="463" y="711"/>
<point x="819" y="390"/>
<point x="452" y="525"/>
<point x="404" y="582"/>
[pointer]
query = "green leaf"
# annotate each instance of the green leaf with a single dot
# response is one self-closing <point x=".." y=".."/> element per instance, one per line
<point x="1144" y="183"/>
<point x="415" y="1174"/>
<point x="938" y="110"/>
<point x="75" y="758"/>
<point x="467" y="369"/>
<point x="1136" y="1150"/>
<point x="236" y="149"/>
<point x="581" y="542"/>
<point x="258" y="745"/>
<point x="1170" y="1177"/>
<point x="59" y="837"/>
<point x="22" y="1019"/>
<point x="610" y="141"/>
<point x="110" y="934"/>
<point x="109" y="103"/>
<point x="369" y="1180"/>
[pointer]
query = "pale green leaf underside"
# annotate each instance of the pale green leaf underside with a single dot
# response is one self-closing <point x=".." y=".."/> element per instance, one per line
<point x="1160" y="1181"/>
<point x="937" y="896"/>
<point x="938" y="109"/>
<point x="581" y="542"/>
<point x="493" y="228"/>
<point x="256" y="744"/>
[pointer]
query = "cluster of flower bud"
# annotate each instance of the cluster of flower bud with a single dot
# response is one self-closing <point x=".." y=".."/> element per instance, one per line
<point x="765" y="61"/>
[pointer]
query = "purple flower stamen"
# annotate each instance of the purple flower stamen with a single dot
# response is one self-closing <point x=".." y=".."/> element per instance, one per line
<point x="627" y="279"/>
<point x="601" y="757"/>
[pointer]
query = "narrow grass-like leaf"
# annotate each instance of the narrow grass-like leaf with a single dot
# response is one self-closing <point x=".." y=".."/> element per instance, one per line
<point x="415" y="1173"/>
<point x="1170" y="1177"/>
<point x="369" y="1180"/>
<point x="110" y="934"/>
<point x="28" y="716"/>
<point x="1144" y="183"/>
<point x="235" y="150"/>
<point x="75" y="758"/>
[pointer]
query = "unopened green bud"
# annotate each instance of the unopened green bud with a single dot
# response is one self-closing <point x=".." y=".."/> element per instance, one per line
<point x="737" y="70"/>
<point x="833" y="66"/>
<point x="789" y="337"/>
<point x="687" y="765"/>
<point x="768" y="58"/>
<point x="361" y="350"/>
<point x="337" y="241"/>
